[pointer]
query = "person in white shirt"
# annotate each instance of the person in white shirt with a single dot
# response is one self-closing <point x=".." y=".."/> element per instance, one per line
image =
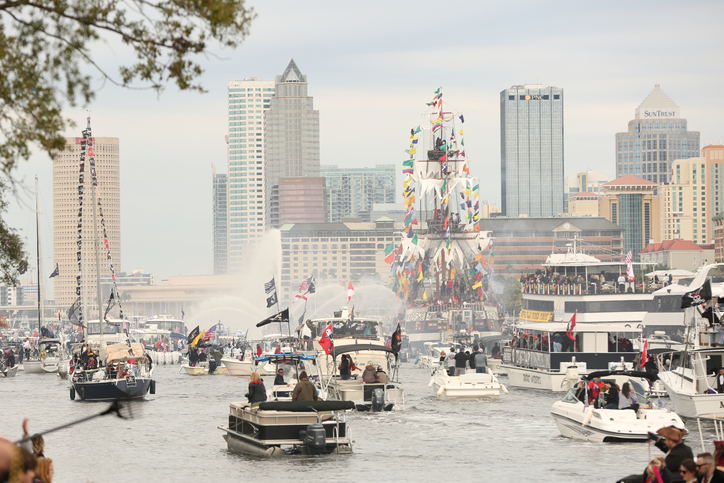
<point x="621" y="283"/>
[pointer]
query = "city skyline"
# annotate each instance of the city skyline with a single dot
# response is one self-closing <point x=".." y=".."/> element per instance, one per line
<point x="368" y="90"/>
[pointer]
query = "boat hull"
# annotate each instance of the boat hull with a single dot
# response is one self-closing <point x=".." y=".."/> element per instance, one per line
<point x="12" y="372"/>
<point x="535" y="379"/>
<point x="610" y="425"/>
<point x="203" y="370"/>
<point x="111" y="389"/>
<point x="246" y="368"/>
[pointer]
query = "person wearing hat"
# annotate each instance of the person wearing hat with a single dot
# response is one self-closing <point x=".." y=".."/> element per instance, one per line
<point x="673" y="445"/>
<point x="304" y="390"/>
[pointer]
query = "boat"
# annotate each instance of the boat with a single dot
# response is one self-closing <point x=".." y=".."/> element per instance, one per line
<point x="274" y="429"/>
<point x="203" y="369"/>
<point x="47" y="355"/>
<point x="465" y="387"/>
<point x="385" y="395"/>
<point x="293" y="364"/>
<point x="161" y="334"/>
<point x="100" y="371"/>
<point x="690" y="378"/>
<point x="125" y="372"/>
<point x="579" y="420"/>
<point x="6" y="368"/>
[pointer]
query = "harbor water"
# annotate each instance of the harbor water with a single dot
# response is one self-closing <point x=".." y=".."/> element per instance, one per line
<point x="174" y="436"/>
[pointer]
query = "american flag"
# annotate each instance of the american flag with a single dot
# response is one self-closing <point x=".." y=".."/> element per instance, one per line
<point x="629" y="257"/>
<point x="209" y="335"/>
<point x="269" y="287"/>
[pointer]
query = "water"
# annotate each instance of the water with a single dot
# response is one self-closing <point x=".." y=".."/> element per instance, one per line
<point x="173" y="436"/>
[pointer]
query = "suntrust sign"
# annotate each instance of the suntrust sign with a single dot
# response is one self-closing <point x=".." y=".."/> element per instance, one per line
<point x="659" y="113"/>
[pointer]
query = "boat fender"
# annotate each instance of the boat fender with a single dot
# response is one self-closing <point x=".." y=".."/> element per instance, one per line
<point x="503" y="388"/>
<point x="152" y="387"/>
<point x="432" y="379"/>
<point x="587" y="418"/>
<point x="441" y="390"/>
<point x="72" y="393"/>
<point x="81" y="393"/>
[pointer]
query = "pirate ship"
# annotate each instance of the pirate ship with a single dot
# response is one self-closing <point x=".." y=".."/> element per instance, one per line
<point x="442" y="264"/>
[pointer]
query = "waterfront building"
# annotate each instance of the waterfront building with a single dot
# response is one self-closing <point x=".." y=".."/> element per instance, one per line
<point x="685" y="213"/>
<point x="66" y="164"/>
<point x="583" y="204"/>
<point x="335" y="251"/>
<point x="631" y="203"/>
<point x="220" y="210"/>
<point x="248" y="100"/>
<point x="719" y="237"/>
<point x="350" y="191"/>
<point x="656" y="137"/>
<point x="291" y="136"/>
<point x="677" y="254"/>
<point x="714" y="155"/>
<point x="391" y="211"/>
<point x="521" y="245"/>
<point x="531" y="151"/>
<point x="302" y="200"/>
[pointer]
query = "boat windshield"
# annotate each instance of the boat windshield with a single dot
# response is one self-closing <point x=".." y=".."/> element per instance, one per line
<point x="638" y="388"/>
<point x="571" y="396"/>
<point x="356" y="329"/>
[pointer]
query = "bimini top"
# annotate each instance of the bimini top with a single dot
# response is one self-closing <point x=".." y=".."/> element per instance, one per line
<point x="580" y="327"/>
<point x="280" y="358"/>
<point x="306" y="406"/>
<point x="361" y="347"/>
<point x="602" y="374"/>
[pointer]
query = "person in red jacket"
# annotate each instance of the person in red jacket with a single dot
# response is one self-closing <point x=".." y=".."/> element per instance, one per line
<point x="595" y="386"/>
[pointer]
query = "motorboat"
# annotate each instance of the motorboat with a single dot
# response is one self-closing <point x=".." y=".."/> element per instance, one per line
<point x="47" y="357"/>
<point x="580" y="420"/>
<point x="203" y="369"/>
<point x="125" y="372"/>
<point x="272" y="429"/>
<point x="159" y="345"/>
<point x="465" y="387"/>
<point x="7" y="369"/>
<point x="385" y="395"/>
<point x="690" y="375"/>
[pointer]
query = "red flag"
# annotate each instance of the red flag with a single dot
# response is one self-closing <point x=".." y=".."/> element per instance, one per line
<point x="571" y="326"/>
<point x="326" y="340"/>
<point x="350" y="292"/>
<point x="258" y="350"/>
<point x="644" y="354"/>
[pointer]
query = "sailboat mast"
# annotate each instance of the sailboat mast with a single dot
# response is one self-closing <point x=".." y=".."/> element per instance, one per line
<point x="94" y="201"/>
<point x="40" y="262"/>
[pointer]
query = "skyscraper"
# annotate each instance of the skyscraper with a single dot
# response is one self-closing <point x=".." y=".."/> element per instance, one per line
<point x="220" y="229"/>
<point x="291" y="136"/>
<point x="656" y="136"/>
<point x="531" y="150"/>
<point x="351" y="191"/>
<point x="248" y="100"/>
<point x="65" y="215"/>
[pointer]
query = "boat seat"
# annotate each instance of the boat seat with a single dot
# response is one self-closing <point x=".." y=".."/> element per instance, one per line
<point x="383" y="377"/>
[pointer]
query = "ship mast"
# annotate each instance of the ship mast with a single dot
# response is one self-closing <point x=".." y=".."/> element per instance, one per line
<point x="94" y="201"/>
<point x="40" y="261"/>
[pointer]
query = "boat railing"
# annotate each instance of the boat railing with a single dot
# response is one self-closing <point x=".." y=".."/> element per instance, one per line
<point x="580" y="288"/>
<point x="530" y="358"/>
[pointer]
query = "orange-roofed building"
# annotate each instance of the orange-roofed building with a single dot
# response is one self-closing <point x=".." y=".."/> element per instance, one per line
<point x="677" y="254"/>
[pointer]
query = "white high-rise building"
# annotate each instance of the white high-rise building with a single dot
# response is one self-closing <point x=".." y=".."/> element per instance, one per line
<point x="66" y="173"/>
<point x="247" y="101"/>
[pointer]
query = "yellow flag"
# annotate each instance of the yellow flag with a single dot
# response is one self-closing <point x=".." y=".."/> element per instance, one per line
<point x="419" y="277"/>
<point x="424" y="295"/>
<point x="452" y="273"/>
<point x="478" y="285"/>
<point x="461" y="132"/>
<point x="413" y="150"/>
<point x="198" y="338"/>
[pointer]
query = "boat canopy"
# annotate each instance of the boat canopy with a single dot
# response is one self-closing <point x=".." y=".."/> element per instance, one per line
<point x="581" y="327"/>
<point x="306" y="406"/>
<point x="285" y="357"/>
<point x="602" y="374"/>
<point x="122" y="352"/>
<point x="361" y="347"/>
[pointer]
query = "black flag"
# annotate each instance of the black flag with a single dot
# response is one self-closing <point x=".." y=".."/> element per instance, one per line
<point x="396" y="342"/>
<point x="192" y="335"/>
<point x="311" y="288"/>
<point x="697" y="297"/>
<point x="271" y="300"/>
<point x="55" y="272"/>
<point x="282" y="316"/>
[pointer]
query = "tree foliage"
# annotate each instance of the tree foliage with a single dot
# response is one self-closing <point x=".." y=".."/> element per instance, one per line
<point x="13" y="259"/>
<point x="46" y="47"/>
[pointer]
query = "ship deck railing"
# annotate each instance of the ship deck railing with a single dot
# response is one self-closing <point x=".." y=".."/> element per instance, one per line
<point x="584" y="289"/>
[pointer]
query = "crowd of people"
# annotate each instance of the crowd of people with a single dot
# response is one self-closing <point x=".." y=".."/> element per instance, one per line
<point x="25" y="462"/>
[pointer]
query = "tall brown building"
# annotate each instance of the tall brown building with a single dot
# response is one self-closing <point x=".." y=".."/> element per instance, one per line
<point x="66" y="173"/>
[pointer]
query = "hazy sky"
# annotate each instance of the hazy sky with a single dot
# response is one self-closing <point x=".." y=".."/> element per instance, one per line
<point x="371" y="68"/>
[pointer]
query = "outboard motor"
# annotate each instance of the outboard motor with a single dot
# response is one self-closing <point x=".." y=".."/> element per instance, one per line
<point x="572" y="377"/>
<point x="212" y="366"/>
<point x="315" y="439"/>
<point x="378" y="400"/>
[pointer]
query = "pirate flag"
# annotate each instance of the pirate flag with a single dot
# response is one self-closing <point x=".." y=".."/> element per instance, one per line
<point x="697" y="297"/>
<point x="396" y="343"/>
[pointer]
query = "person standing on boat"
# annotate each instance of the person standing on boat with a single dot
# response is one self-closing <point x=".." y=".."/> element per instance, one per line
<point x="595" y="386"/>
<point x="256" y="392"/>
<point x="26" y="348"/>
<point x="673" y="445"/>
<point x="460" y="361"/>
<point x="279" y="380"/>
<point x="344" y="370"/>
<point x="481" y="362"/>
<point x="304" y="390"/>
<point x="719" y="381"/>
<point x="621" y="283"/>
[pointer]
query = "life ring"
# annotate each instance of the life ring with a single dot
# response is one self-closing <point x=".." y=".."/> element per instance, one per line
<point x="42" y="355"/>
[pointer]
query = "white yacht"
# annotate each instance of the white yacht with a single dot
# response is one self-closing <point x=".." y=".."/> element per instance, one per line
<point x="578" y="420"/>
<point x="465" y="387"/>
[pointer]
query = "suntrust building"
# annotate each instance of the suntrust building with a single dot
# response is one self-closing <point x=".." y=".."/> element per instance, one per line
<point x="656" y="136"/>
